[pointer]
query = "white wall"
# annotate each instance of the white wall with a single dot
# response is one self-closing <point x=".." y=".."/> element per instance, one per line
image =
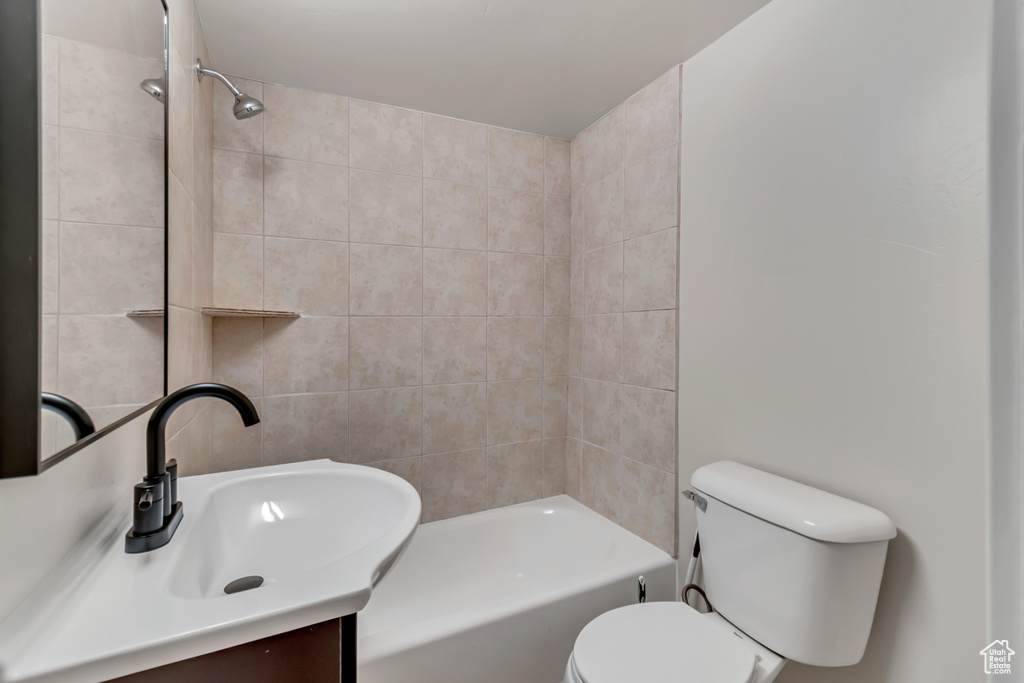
<point x="833" y="291"/>
<point x="133" y="26"/>
<point x="1006" y="474"/>
<point x="43" y="518"/>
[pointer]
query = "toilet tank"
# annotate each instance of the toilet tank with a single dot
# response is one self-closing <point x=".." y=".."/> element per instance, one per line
<point x="793" y="567"/>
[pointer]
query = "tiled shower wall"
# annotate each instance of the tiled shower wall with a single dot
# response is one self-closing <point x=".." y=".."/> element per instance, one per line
<point x="99" y="219"/>
<point x="469" y="295"/>
<point x="103" y="238"/>
<point x="429" y="258"/>
<point x="189" y="234"/>
<point x="621" y="451"/>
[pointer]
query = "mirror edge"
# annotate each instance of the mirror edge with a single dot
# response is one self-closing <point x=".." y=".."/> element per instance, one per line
<point x="20" y="205"/>
<point x="63" y="455"/>
<point x="167" y="195"/>
<point x="20" y="235"/>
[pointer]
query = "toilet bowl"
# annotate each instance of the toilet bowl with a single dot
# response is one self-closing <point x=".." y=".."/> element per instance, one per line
<point x="667" y="641"/>
<point x="793" y="573"/>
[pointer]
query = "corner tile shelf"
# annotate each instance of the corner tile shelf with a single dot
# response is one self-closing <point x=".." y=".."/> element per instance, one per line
<point x="146" y="313"/>
<point x="247" y="313"/>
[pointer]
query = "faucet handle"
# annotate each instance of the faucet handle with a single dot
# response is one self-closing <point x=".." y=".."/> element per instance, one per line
<point x="172" y="475"/>
<point x="148" y="513"/>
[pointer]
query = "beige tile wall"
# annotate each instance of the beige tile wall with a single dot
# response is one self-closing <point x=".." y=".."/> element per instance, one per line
<point x="621" y="407"/>
<point x="102" y="233"/>
<point x="429" y="258"/>
<point x="103" y="240"/>
<point x="470" y="295"/>
<point x="190" y="235"/>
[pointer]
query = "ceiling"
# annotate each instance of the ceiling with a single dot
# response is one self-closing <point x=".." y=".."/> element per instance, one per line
<point x="125" y="25"/>
<point x="545" y="66"/>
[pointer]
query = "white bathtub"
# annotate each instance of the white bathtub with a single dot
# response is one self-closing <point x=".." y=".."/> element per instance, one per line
<point x="500" y="596"/>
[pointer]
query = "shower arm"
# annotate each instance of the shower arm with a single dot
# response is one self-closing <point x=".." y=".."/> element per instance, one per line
<point x="203" y="71"/>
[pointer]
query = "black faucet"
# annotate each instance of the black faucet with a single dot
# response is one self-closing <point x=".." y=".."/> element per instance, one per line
<point x="157" y="511"/>
<point x="80" y="421"/>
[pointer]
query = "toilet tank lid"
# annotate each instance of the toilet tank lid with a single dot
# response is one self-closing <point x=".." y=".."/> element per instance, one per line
<point x="800" y="508"/>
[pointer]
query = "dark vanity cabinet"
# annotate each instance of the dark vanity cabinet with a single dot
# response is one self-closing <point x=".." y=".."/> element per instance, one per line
<point x="322" y="653"/>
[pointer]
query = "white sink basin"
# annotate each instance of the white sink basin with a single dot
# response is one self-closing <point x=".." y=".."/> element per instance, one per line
<point x="320" y="535"/>
<point x="285" y="525"/>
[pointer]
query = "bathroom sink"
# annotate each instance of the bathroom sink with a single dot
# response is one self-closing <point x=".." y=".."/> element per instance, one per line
<point x="258" y="552"/>
<point x="283" y="527"/>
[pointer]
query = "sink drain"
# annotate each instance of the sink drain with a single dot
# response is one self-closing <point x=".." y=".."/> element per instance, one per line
<point x="243" y="584"/>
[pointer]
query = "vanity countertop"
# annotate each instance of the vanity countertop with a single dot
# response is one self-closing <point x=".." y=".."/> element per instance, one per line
<point x="304" y="526"/>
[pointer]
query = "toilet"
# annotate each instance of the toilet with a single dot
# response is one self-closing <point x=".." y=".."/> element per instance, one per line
<point x="791" y="571"/>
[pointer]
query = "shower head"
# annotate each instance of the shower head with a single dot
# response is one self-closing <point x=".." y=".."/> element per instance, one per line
<point x="154" y="87"/>
<point x="246" y="106"/>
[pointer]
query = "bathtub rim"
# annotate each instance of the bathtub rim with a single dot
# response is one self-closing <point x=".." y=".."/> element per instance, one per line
<point x="643" y="558"/>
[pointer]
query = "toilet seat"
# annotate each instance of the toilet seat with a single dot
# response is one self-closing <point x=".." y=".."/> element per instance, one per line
<point x="657" y="642"/>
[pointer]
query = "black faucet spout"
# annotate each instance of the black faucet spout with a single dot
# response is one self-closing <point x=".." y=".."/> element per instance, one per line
<point x="80" y="421"/>
<point x="155" y="442"/>
<point x="157" y="512"/>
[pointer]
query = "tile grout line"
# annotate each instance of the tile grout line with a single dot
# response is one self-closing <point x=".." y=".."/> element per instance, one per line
<point x="622" y="293"/>
<point x="423" y="332"/>
<point x="263" y="233"/>
<point x="544" y="311"/>
<point x="487" y="322"/>
<point x="349" y="456"/>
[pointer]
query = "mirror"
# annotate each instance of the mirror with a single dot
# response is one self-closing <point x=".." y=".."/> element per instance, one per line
<point x="101" y="216"/>
<point x="103" y="211"/>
